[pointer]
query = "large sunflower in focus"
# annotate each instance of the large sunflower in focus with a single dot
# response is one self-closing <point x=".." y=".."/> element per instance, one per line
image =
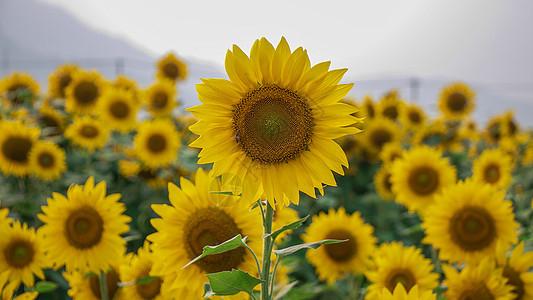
<point x="273" y="123"/>
<point x="156" y="143"/>
<point x="47" y="160"/>
<point x="160" y="98"/>
<point x="493" y="167"/>
<point x="456" y="101"/>
<point x="515" y="269"/>
<point x="118" y="110"/>
<point x="16" y="141"/>
<point x="84" y="91"/>
<point x="88" y="133"/>
<point x="468" y="220"/>
<point x="60" y="79"/>
<point x="192" y="221"/>
<point x="171" y="67"/>
<point x="19" y="88"/>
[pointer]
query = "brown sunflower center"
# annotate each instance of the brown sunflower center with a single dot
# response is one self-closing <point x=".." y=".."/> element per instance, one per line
<point x="159" y="100"/>
<point x="344" y="251"/>
<point x="380" y="137"/>
<point x="111" y="282"/>
<point x="86" y="92"/>
<point x="402" y="276"/>
<point x="156" y="143"/>
<point x="513" y="278"/>
<point x="273" y="124"/>
<point x="48" y="121"/>
<point x="387" y="183"/>
<point x="19" y="253"/>
<point x="512" y="127"/>
<point x="119" y="109"/>
<point x="414" y="117"/>
<point x="89" y="131"/>
<point x="457" y="102"/>
<point x="64" y="81"/>
<point x="370" y="111"/>
<point x="391" y="112"/>
<point x="46" y="160"/>
<point x="149" y="290"/>
<point x="423" y="180"/>
<point x="210" y="227"/>
<point x="476" y="291"/>
<point x="84" y="227"/>
<point x="472" y="228"/>
<point x="16" y="149"/>
<point x="171" y="70"/>
<point x="491" y="173"/>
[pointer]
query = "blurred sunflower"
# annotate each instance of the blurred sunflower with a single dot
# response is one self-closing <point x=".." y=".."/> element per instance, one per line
<point x="274" y="121"/>
<point x="47" y="160"/>
<point x="160" y="98"/>
<point x="19" y="88"/>
<point x="509" y="125"/>
<point x="333" y="261"/>
<point x="382" y="181"/>
<point x="396" y="264"/>
<point x="419" y="175"/>
<point x="60" y="80"/>
<point x="86" y="286"/>
<point x="84" y="91"/>
<point x="283" y="216"/>
<point x="378" y="133"/>
<point x="125" y="83"/>
<point x="16" y="142"/>
<point x="87" y="132"/>
<point x="468" y="220"/>
<point x="156" y="143"/>
<point x="412" y="117"/>
<point x="4" y="221"/>
<point x="171" y="67"/>
<point x="390" y="152"/>
<point x="456" y="101"/>
<point x="493" y="167"/>
<point x="128" y="168"/>
<point x="390" y="107"/>
<point x="515" y="269"/>
<point x="83" y="229"/>
<point x="494" y="130"/>
<point x="369" y="108"/>
<point x="8" y="289"/>
<point x="193" y="221"/>
<point x="437" y="135"/>
<point x="482" y="281"/>
<point x="399" y="293"/>
<point x="52" y="122"/>
<point x="118" y="110"/>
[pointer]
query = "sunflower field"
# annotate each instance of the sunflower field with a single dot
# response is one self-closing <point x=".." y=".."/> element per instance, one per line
<point x="278" y="186"/>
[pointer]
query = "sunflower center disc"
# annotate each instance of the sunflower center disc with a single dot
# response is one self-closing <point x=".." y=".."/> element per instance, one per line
<point x="19" y="253"/>
<point x="160" y="100"/>
<point x="414" y="117"/>
<point x="424" y="181"/>
<point x="156" y="143"/>
<point x="210" y="227"/>
<point x="491" y="173"/>
<point x="89" y="131"/>
<point x="274" y="124"/>
<point x="16" y="149"/>
<point x="119" y="109"/>
<point x="86" y="92"/>
<point x="84" y="228"/>
<point x="171" y="70"/>
<point x="380" y="137"/>
<point x="472" y="228"/>
<point x="402" y="276"/>
<point x="391" y="112"/>
<point x="46" y="160"/>
<point x="476" y="291"/>
<point x="457" y="102"/>
<point x="344" y="251"/>
<point x="111" y="281"/>
<point x="64" y="81"/>
<point x="514" y="280"/>
<point x="48" y="121"/>
<point x="149" y="290"/>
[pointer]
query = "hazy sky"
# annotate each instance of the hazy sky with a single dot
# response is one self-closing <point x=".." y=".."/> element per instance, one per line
<point x="479" y="40"/>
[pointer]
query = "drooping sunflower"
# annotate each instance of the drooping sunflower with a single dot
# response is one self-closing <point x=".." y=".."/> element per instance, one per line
<point x="156" y="143"/>
<point x="52" y="122"/>
<point x="399" y="293"/>
<point x="481" y="281"/>
<point x="60" y="80"/>
<point x="390" y="152"/>
<point x="171" y="67"/>
<point x="82" y="230"/>
<point x="16" y="141"/>
<point x="118" y="110"/>
<point x="192" y="221"/>
<point x="412" y="117"/>
<point x="419" y="175"/>
<point x="382" y="181"/>
<point x="468" y="220"/>
<point x="160" y="98"/>
<point x="47" y="160"/>
<point x="333" y="261"/>
<point x="86" y="286"/>
<point x="274" y="122"/>
<point x="493" y="167"/>
<point x="21" y="254"/>
<point x="378" y="133"/>
<point x="396" y="264"/>
<point x="19" y="88"/>
<point x="456" y="101"/>
<point x="84" y="91"/>
<point x="515" y="269"/>
<point x="87" y="132"/>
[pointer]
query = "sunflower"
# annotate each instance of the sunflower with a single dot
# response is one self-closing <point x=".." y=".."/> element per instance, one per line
<point x="378" y="133"/>
<point x="4" y="221"/>
<point x="382" y="181"/>
<point x="192" y="221"/>
<point x="171" y="67"/>
<point x="83" y="92"/>
<point x="515" y="269"/>
<point x="86" y="286"/>
<point x="482" y="281"/>
<point x="399" y="293"/>
<point x="156" y="143"/>
<point x="118" y="110"/>
<point x="8" y="289"/>
<point x="493" y="167"/>
<point x="19" y="88"/>
<point x="47" y="160"/>
<point x="274" y="122"/>
<point x="160" y="98"/>
<point x="456" y="101"/>
<point x="16" y="142"/>
<point x="86" y="132"/>
<point x="510" y="127"/>
<point x="437" y="135"/>
<point x="128" y="168"/>
<point x="125" y="83"/>
<point x="467" y="221"/>
<point x="52" y="122"/>
<point x="419" y="175"/>
<point x="283" y="216"/>
<point x="396" y="264"/>
<point x="83" y="229"/>
<point x="390" y="107"/>
<point x="21" y="254"/>
<point x="333" y="261"/>
<point x="412" y="117"/>
<point x="469" y="131"/>
<point x="60" y="80"/>
<point x="368" y="108"/>
<point x="390" y="152"/>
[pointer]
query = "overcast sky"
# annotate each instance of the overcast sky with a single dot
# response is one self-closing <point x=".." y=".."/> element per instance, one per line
<point x="481" y="40"/>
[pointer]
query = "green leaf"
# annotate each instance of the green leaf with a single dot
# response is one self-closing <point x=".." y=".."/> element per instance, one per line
<point x="290" y="250"/>
<point x="223" y="193"/>
<point x="232" y="282"/>
<point x="45" y="287"/>
<point x="228" y="245"/>
<point x="290" y="226"/>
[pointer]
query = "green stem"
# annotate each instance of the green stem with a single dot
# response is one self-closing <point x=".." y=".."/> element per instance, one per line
<point x="103" y="286"/>
<point x="267" y="250"/>
<point x="255" y="257"/>
<point x="273" y="279"/>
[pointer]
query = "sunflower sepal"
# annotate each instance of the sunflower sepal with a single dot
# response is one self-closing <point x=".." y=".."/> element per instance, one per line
<point x="290" y="250"/>
<point x="291" y="226"/>
<point x="233" y="243"/>
<point x="44" y="287"/>
<point x="227" y="283"/>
